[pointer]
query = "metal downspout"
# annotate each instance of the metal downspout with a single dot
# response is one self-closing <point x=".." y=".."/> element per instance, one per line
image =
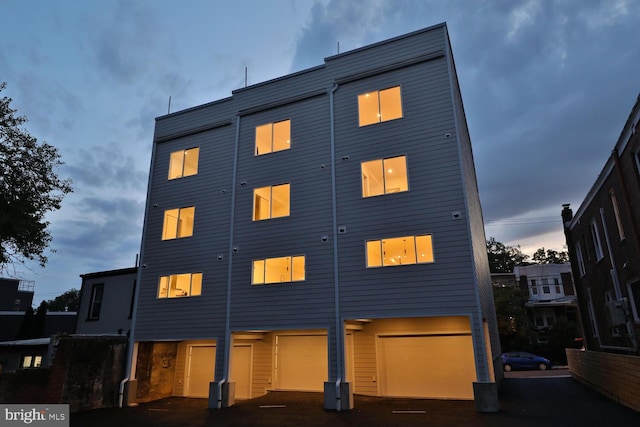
<point x="140" y="266"/>
<point x="338" y="325"/>
<point x="227" y="325"/>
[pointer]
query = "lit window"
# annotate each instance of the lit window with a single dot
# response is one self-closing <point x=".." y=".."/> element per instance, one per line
<point x="616" y="212"/>
<point x="183" y="163"/>
<point x="180" y="285"/>
<point x="95" y="303"/>
<point x="271" y="202"/>
<point x="384" y="176"/>
<point x="380" y="106"/>
<point x="178" y="223"/>
<point x="31" y="362"/>
<point x="278" y="270"/>
<point x="399" y="251"/>
<point x="273" y="137"/>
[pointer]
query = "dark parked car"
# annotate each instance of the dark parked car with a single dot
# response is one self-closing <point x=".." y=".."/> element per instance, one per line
<point x="523" y="360"/>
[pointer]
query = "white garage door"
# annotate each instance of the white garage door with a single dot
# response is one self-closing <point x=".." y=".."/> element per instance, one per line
<point x="427" y="366"/>
<point x="301" y="362"/>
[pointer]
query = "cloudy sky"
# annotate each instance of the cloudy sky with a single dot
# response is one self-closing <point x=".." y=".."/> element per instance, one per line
<point x="547" y="87"/>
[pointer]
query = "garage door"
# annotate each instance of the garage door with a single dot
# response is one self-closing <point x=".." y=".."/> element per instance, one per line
<point x="301" y="362"/>
<point x="426" y="366"/>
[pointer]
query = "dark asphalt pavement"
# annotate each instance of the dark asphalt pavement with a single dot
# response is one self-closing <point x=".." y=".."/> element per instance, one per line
<point x="547" y="402"/>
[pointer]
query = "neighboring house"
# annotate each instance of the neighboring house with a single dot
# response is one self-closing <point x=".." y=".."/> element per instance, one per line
<point x="15" y="297"/>
<point x="15" y="294"/>
<point x="604" y="247"/>
<point x="106" y="302"/>
<point x="319" y="232"/>
<point x="552" y="300"/>
<point x="24" y="354"/>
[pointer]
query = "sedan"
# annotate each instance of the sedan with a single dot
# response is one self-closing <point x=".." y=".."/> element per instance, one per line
<point x="523" y="360"/>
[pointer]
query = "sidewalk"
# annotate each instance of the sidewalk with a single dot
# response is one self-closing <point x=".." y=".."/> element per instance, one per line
<point x="534" y="402"/>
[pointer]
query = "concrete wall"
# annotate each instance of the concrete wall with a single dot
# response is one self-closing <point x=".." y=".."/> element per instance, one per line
<point x="614" y="375"/>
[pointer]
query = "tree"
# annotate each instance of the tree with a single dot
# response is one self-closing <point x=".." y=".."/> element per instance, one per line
<point x="29" y="188"/>
<point x="503" y="258"/>
<point x="550" y="256"/>
<point x="68" y="301"/>
<point x="512" y="318"/>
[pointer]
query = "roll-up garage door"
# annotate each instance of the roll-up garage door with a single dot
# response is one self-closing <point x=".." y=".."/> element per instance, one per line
<point x="427" y="366"/>
<point x="301" y="362"/>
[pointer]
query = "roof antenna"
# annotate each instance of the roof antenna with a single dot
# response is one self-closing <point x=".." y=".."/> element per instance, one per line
<point x="169" y="107"/>
<point x="245" y="76"/>
<point x="338" y="47"/>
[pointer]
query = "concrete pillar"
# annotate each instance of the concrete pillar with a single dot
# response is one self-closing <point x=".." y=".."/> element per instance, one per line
<point x="338" y="398"/>
<point x="485" y="395"/>
<point x="222" y="396"/>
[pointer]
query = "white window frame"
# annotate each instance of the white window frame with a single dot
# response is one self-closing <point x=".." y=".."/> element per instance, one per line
<point x="580" y="259"/>
<point x="595" y="238"/>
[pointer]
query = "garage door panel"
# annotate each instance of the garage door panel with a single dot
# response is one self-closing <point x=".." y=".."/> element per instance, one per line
<point x="427" y="366"/>
<point x="302" y="362"/>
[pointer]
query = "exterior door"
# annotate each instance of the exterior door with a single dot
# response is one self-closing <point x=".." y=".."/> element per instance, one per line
<point x="241" y="362"/>
<point x="200" y="370"/>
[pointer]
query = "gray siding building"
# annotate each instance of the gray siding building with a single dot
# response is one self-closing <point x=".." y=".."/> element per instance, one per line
<point x="106" y="302"/>
<point x="319" y="232"/>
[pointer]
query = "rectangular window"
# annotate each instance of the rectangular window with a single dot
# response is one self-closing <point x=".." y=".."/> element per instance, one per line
<point x="180" y="285"/>
<point x="545" y="286"/>
<point x="534" y="288"/>
<point x="272" y="137"/>
<point x="595" y="236"/>
<point x="399" y="251"/>
<point x="384" y="176"/>
<point x="278" y="270"/>
<point x="592" y="316"/>
<point x="183" y="163"/>
<point x="95" y="303"/>
<point x="178" y="223"/>
<point x="580" y="259"/>
<point x="271" y="202"/>
<point x="556" y="282"/>
<point x="616" y="212"/>
<point x="380" y="106"/>
<point x="31" y="361"/>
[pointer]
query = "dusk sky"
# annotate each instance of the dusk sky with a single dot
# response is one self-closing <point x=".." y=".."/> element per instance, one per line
<point x="547" y="87"/>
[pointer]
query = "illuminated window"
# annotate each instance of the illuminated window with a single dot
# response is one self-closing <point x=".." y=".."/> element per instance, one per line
<point x="384" y="176"/>
<point x="380" y="106"/>
<point x="183" y="163"/>
<point x="400" y="251"/>
<point x="273" y="137"/>
<point x="278" y="270"/>
<point x="271" y="202"/>
<point x="180" y="285"/>
<point x="178" y="223"/>
<point x="31" y="362"/>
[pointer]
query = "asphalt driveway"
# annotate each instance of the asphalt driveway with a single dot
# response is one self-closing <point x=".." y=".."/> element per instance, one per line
<point x="548" y="402"/>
